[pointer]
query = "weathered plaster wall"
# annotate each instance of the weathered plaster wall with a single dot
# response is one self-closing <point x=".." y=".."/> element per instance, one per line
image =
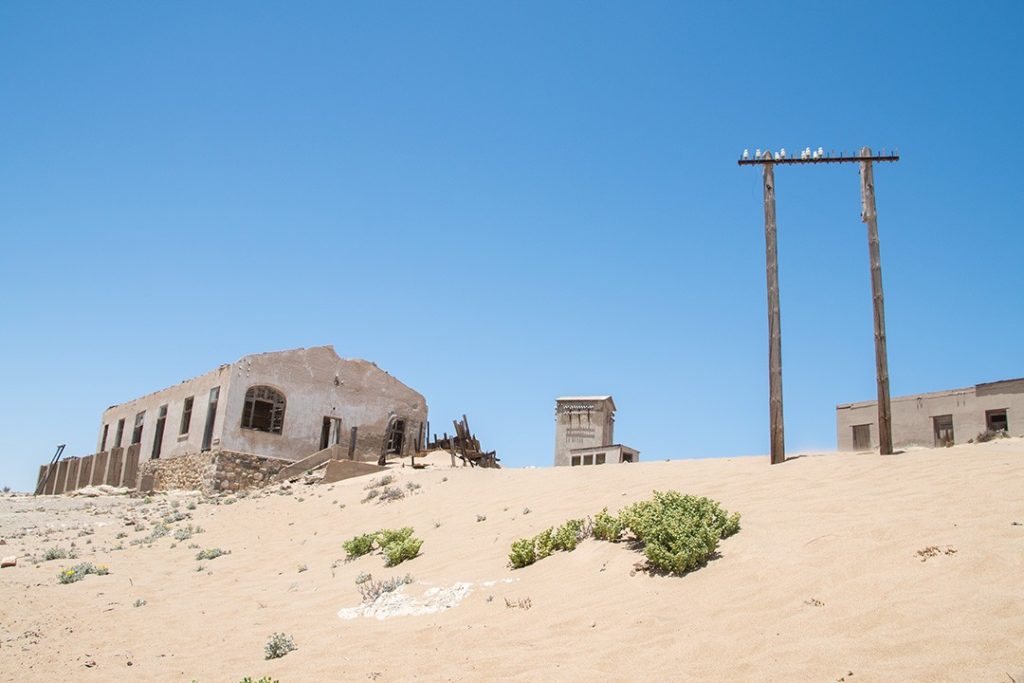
<point x="317" y="384"/>
<point x="174" y="443"/>
<point x="912" y="415"/>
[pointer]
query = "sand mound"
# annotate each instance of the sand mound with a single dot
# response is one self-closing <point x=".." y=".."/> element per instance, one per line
<point x="903" y="568"/>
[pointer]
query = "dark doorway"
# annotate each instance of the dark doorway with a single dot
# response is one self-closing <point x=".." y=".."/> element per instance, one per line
<point x="995" y="420"/>
<point x="330" y="432"/>
<point x="395" y="438"/>
<point x="943" y="430"/>
<point x="862" y="437"/>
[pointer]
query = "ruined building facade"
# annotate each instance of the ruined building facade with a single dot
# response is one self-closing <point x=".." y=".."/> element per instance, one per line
<point x="939" y="418"/>
<point x="585" y="432"/>
<point x="253" y="417"/>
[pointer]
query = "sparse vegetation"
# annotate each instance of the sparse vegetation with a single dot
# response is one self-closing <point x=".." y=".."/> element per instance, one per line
<point x="481" y="518"/>
<point x="139" y="603"/>
<point x="278" y="645"/>
<point x="397" y="545"/>
<point x="391" y="493"/>
<point x="678" y="533"/>
<point x="371" y="589"/>
<point x="57" y="553"/>
<point x="211" y="553"/>
<point x="412" y="486"/>
<point x="990" y="434"/>
<point x="80" y="571"/>
<point x="522" y="603"/>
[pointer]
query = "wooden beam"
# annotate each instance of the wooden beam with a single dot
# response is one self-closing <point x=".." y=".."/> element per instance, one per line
<point x="778" y="441"/>
<point x="870" y="217"/>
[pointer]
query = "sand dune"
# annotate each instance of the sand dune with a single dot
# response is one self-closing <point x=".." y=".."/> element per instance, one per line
<point x="824" y="579"/>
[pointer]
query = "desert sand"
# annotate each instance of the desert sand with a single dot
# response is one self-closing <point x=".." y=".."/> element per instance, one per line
<point x="830" y="579"/>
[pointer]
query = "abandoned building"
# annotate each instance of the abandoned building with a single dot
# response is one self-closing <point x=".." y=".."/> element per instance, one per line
<point x="939" y="418"/>
<point x="255" y="417"/>
<point x="585" y="432"/>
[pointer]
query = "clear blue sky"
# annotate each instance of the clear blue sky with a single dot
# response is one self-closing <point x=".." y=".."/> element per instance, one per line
<point x="500" y="203"/>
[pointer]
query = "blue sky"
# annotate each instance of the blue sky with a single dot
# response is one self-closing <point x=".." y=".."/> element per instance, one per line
<point x="501" y="203"/>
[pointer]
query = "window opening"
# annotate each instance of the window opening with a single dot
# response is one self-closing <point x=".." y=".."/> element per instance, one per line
<point x="575" y="460"/>
<point x="264" y="410"/>
<point x="186" y="415"/>
<point x="599" y="458"/>
<point x="995" y="420"/>
<point x="120" y="433"/>
<point x="137" y="432"/>
<point x="103" y="441"/>
<point x="395" y="438"/>
<point x="211" y="416"/>
<point x="862" y="437"/>
<point x="158" y="436"/>
<point x="588" y="460"/>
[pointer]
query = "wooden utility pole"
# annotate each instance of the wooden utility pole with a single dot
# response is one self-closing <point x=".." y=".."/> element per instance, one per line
<point x="778" y="446"/>
<point x="869" y="216"/>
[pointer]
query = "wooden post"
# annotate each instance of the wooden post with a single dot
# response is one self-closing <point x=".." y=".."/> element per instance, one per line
<point x="778" y="442"/>
<point x="352" y="444"/>
<point x="869" y="216"/>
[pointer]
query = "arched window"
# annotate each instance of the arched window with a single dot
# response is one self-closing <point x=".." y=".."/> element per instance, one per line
<point x="264" y="409"/>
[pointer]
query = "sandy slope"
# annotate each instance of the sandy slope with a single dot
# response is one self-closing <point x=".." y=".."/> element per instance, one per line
<point x="842" y="530"/>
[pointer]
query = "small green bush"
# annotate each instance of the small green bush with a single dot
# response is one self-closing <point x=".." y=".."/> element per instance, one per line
<point x="397" y="545"/>
<point x="400" y="551"/>
<point x="278" y="645"/>
<point x="545" y="543"/>
<point x="567" y="536"/>
<point x="679" y="532"/>
<point x="524" y="553"/>
<point x="359" y="546"/>
<point x="607" y="527"/>
<point x="386" y="537"/>
<point x="264" y="679"/>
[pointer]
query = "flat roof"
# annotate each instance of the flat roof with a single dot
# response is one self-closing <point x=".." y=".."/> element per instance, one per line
<point x="603" y="448"/>
<point x="608" y="398"/>
<point x="931" y="394"/>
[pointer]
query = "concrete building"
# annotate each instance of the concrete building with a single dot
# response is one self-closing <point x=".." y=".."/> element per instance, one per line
<point x="244" y="423"/>
<point x="585" y="432"/>
<point x="284" y="404"/>
<point x="935" y="419"/>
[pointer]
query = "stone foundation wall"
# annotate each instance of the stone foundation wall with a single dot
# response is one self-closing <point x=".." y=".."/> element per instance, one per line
<point x="212" y="472"/>
<point x="192" y="472"/>
<point x="238" y="471"/>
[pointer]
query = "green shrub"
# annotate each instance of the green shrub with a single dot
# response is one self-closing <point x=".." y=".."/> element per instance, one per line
<point x="397" y="545"/>
<point x="524" y="553"/>
<point x="544" y="543"/>
<point x="386" y="537"/>
<point x="278" y="645"/>
<point x="359" y="546"/>
<point x="264" y="679"/>
<point x="607" y="527"/>
<point x="80" y="571"/>
<point x="679" y="532"/>
<point x="567" y="536"/>
<point x="400" y="551"/>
